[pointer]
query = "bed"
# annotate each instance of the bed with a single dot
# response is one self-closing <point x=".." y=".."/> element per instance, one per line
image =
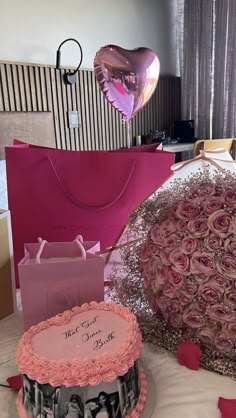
<point x="179" y="392"/>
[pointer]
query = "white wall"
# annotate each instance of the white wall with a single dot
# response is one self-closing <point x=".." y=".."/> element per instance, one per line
<point x="31" y="30"/>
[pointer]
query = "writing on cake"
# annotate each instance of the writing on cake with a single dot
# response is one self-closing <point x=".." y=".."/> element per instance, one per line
<point x="85" y="324"/>
<point x="100" y="343"/>
<point x="87" y="336"/>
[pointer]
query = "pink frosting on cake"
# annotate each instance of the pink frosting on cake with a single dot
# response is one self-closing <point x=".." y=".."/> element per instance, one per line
<point x="41" y="358"/>
<point x="87" y="335"/>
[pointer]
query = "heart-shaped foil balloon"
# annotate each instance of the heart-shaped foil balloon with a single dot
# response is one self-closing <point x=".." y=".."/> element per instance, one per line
<point x="127" y="78"/>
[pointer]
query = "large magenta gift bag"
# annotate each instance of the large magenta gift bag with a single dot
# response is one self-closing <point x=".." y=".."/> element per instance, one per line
<point x="56" y="276"/>
<point x="58" y="194"/>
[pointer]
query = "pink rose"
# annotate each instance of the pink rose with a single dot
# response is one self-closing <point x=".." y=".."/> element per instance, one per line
<point x="152" y="303"/>
<point x="226" y="265"/>
<point x="144" y="254"/>
<point x="174" y="306"/>
<point x="218" y="312"/>
<point x="193" y="317"/>
<point x="230" y="298"/>
<point x="213" y="242"/>
<point x="220" y="222"/>
<point x="147" y="278"/>
<point x="149" y="268"/>
<point x="223" y="342"/>
<point x="165" y="256"/>
<point x="180" y="261"/>
<point x="189" y="245"/>
<point x="169" y="290"/>
<point x="191" y="289"/>
<point x="231" y="327"/>
<point x="148" y="249"/>
<point x="203" y="263"/>
<point x="175" y="278"/>
<point x="221" y="281"/>
<point x="161" y="276"/>
<point x="212" y="204"/>
<point x="213" y="325"/>
<point x="162" y="302"/>
<point x="229" y="197"/>
<point x="181" y="225"/>
<point x="230" y="245"/>
<point x="155" y="235"/>
<point x="198" y="227"/>
<point x="155" y="285"/>
<point x="153" y="249"/>
<point x="172" y="241"/>
<point x="185" y="299"/>
<point x="210" y="292"/>
<point x="187" y="210"/>
<point x="167" y="227"/>
<point x="193" y="196"/>
<point x="206" y="335"/>
<point x="176" y="320"/>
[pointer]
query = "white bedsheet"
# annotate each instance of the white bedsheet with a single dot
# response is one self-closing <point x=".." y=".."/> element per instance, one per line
<point x="10" y="333"/>
<point x="180" y="392"/>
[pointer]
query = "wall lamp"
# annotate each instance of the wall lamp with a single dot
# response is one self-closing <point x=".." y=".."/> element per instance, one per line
<point x="71" y="77"/>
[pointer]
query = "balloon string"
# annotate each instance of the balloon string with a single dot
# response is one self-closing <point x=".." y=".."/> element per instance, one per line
<point x="128" y="126"/>
<point x="129" y="143"/>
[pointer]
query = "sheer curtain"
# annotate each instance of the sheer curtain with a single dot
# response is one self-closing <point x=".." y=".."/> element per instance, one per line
<point x="224" y="104"/>
<point x="195" y="60"/>
<point x="207" y="63"/>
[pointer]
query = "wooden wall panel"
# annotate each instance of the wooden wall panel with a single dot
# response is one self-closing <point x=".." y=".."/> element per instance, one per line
<point x="35" y="88"/>
<point x="34" y="127"/>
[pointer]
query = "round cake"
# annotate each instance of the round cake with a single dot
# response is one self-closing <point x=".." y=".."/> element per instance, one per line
<point x="82" y="363"/>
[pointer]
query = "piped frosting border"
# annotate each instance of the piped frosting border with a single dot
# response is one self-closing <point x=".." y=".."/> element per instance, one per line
<point x="135" y="413"/>
<point x="105" y="368"/>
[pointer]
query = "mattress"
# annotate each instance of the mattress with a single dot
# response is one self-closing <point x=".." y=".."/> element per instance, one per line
<point x="180" y="392"/>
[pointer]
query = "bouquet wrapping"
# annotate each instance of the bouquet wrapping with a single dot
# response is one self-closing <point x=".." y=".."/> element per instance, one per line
<point x="175" y="262"/>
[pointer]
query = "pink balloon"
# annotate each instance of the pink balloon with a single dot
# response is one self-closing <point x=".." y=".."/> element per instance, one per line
<point x="127" y="78"/>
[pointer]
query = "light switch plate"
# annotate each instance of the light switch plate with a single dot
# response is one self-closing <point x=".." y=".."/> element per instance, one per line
<point x="73" y="119"/>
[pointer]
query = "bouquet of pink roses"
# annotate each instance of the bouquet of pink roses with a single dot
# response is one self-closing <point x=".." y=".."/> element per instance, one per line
<point x="177" y="265"/>
<point x="189" y="264"/>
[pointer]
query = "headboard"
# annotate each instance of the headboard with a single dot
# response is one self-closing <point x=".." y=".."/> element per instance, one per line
<point x="33" y="127"/>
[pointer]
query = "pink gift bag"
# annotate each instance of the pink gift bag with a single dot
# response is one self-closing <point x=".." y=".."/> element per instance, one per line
<point x="58" y="194"/>
<point x="56" y="276"/>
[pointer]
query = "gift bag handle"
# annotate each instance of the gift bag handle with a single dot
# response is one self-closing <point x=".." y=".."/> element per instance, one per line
<point x="78" y="240"/>
<point x="77" y="202"/>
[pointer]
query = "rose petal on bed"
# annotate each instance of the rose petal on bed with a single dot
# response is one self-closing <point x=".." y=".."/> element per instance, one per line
<point x="227" y="407"/>
<point x="15" y="382"/>
<point x="189" y="355"/>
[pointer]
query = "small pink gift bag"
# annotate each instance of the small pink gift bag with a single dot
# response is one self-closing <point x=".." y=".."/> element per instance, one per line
<point x="56" y="276"/>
